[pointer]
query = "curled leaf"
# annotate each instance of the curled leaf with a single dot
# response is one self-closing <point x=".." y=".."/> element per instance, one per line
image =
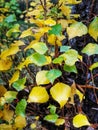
<point x="38" y="94"/>
<point x="60" y="92"/>
<point x="80" y="120"/>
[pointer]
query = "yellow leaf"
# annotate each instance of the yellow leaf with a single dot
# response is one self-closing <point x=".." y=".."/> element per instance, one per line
<point x="20" y="122"/>
<point x="79" y="94"/>
<point x="44" y="29"/>
<point x="8" y="52"/>
<point x="59" y="122"/>
<point x="33" y="13"/>
<point x="49" y="22"/>
<point x="14" y="77"/>
<point x="30" y="45"/>
<point x="8" y="115"/>
<point x="76" y="29"/>
<point x="73" y="1"/>
<point x="33" y="125"/>
<point x="38" y="22"/>
<point x="1" y="17"/>
<point x="38" y="94"/>
<point x="5" y="64"/>
<point x="6" y="127"/>
<point x="52" y="39"/>
<point x="64" y="23"/>
<point x="48" y="60"/>
<point x="18" y="43"/>
<point x="61" y="92"/>
<point x="80" y="120"/>
<point x="2" y="101"/>
<point x="41" y="78"/>
<point x="26" y="33"/>
<point x="3" y="90"/>
<point x="66" y="10"/>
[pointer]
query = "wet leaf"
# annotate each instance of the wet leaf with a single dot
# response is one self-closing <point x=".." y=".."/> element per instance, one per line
<point x="14" y="77"/>
<point x="20" y="122"/>
<point x="90" y="49"/>
<point x="19" y="84"/>
<point x="93" y="28"/>
<point x="60" y="92"/>
<point x="21" y="107"/>
<point x="40" y="47"/>
<point x="38" y="94"/>
<point x="76" y="29"/>
<point x="53" y="74"/>
<point x="41" y="77"/>
<point x="80" y="120"/>
<point x="56" y="29"/>
<point x="59" y="122"/>
<point x="51" y="118"/>
<point x="10" y="96"/>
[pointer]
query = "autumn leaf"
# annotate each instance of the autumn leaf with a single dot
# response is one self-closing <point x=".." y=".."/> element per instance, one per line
<point x="3" y="90"/>
<point x="90" y="49"/>
<point x="60" y="92"/>
<point x="49" y="22"/>
<point x="59" y="122"/>
<point x="26" y="33"/>
<point x="41" y="77"/>
<point x="93" y="28"/>
<point x="38" y="94"/>
<point x="76" y="29"/>
<point x="80" y="120"/>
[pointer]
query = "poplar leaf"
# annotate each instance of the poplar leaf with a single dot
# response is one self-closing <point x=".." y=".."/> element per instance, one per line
<point x="93" y="66"/>
<point x="26" y="33"/>
<point x="59" y="122"/>
<point x="14" y="77"/>
<point x="76" y="29"/>
<point x="19" y="84"/>
<point x="38" y="95"/>
<point x="93" y="28"/>
<point x="51" y="118"/>
<point x="90" y="49"/>
<point x="37" y="59"/>
<point x="80" y="120"/>
<point x="56" y="29"/>
<point x="40" y="47"/>
<point x="71" y="56"/>
<point x="3" y="90"/>
<point x="10" y="96"/>
<point x="8" y="52"/>
<point x="21" y="107"/>
<point x="20" y="122"/>
<point x="41" y="78"/>
<point x="53" y="74"/>
<point x="5" y="64"/>
<point x="70" y="68"/>
<point x="49" y="22"/>
<point x="60" y="92"/>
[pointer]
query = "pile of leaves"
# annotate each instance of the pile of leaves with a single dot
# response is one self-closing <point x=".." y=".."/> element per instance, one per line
<point x="47" y="81"/>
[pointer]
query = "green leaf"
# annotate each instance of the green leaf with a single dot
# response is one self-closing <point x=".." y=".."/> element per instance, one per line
<point x="64" y="48"/>
<point x="37" y="59"/>
<point x="93" y="66"/>
<point x="53" y="74"/>
<point x="10" y="96"/>
<point x="19" y="84"/>
<point x="20" y="108"/>
<point x="70" y="68"/>
<point x="51" y="118"/>
<point x="14" y="29"/>
<point x="56" y="29"/>
<point x="76" y="29"/>
<point x="71" y="56"/>
<point x="90" y="49"/>
<point x="58" y="60"/>
<point x="40" y="47"/>
<point x="52" y="109"/>
<point x="93" y="28"/>
<point x="11" y="18"/>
